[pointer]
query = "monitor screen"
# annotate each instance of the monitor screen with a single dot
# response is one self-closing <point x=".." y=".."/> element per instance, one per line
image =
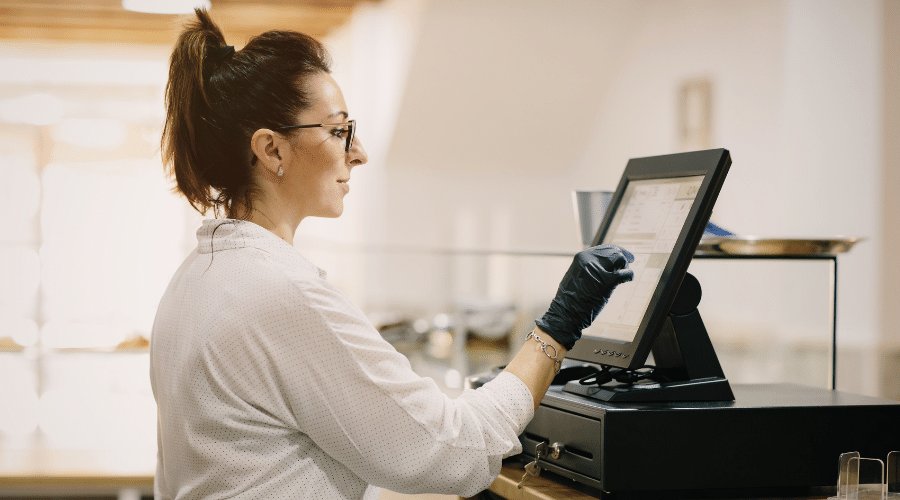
<point x="658" y="213"/>
<point x="648" y="221"/>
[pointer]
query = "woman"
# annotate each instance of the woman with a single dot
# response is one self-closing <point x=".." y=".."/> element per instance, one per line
<point x="269" y="382"/>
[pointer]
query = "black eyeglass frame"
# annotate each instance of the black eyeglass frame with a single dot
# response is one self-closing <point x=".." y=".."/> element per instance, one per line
<point x="351" y="130"/>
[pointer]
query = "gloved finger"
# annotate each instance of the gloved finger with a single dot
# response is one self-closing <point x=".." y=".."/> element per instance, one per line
<point x="618" y="257"/>
<point x="609" y="246"/>
<point x="600" y="275"/>
<point x="624" y="275"/>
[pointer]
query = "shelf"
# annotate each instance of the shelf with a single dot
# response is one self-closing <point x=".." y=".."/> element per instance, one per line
<point x="733" y="246"/>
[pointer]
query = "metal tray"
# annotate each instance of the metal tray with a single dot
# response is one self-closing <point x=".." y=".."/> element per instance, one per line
<point x="751" y="245"/>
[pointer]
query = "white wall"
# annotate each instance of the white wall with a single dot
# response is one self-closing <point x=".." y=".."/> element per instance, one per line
<point x="796" y="98"/>
<point x="890" y="186"/>
<point x="497" y="110"/>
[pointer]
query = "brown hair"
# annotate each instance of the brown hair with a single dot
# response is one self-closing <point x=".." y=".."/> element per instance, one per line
<point x="217" y="98"/>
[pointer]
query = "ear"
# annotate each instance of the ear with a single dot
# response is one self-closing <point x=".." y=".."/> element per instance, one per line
<point x="265" y="145"/>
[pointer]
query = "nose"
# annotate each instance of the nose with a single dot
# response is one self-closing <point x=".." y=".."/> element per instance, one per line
<point x="357" y="155"/>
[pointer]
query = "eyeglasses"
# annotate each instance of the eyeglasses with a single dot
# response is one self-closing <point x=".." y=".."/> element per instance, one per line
<point x="348" y="127"/>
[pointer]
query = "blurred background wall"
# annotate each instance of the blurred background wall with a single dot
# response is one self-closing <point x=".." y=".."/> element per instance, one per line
<point x="503" y="113"/>
<point x="479" y="118"/>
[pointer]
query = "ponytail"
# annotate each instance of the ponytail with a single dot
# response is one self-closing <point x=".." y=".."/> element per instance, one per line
<point x="216" y="98"/>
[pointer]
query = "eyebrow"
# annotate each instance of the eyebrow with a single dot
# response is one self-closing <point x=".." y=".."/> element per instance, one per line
<point x="337" y="113"/>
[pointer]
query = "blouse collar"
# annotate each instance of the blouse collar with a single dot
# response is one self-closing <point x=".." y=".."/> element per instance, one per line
<point x="226" y="234"/>
<point x="215" y="235"/>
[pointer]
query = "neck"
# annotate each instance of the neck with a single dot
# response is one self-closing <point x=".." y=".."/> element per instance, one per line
<point x="279" y="222"/>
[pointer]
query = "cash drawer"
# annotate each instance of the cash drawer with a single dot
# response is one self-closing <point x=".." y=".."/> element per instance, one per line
<point x="578" y="434"/>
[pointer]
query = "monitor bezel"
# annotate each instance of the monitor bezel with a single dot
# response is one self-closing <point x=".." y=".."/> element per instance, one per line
<point x="713" y="165"/>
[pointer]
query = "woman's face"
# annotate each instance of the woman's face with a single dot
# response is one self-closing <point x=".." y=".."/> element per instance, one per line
<point x="317" y="172"/>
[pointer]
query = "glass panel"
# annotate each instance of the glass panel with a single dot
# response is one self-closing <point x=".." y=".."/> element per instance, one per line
<point x="869" y="480"/>
<point x="791" y="342"/>
<point x="893" y="473"/>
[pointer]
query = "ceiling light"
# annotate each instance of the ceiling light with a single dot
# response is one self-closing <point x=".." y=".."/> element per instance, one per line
<point x="165" y="6"/>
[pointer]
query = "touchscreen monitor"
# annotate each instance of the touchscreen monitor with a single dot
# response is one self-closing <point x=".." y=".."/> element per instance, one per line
<point x="658" y="213"/>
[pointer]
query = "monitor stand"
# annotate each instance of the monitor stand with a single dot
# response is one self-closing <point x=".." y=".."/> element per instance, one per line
<point x="687" y="368"/>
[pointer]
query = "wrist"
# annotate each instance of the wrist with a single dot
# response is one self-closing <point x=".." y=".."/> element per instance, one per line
<point x="559" y="329"/>
<point x="549" y="348"/>
<point x="546" y="337"/>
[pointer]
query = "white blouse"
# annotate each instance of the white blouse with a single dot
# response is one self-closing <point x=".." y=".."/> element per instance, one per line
<point x="271" y="384"/>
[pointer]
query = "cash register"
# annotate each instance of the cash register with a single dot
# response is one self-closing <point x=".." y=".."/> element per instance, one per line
<point x="642" y="408"/>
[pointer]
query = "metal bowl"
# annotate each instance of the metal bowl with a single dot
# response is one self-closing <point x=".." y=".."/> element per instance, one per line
<point x="751" y="245"/>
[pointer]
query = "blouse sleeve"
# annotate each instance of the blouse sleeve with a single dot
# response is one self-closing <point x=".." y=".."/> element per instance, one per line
<point x="358" y="399"/>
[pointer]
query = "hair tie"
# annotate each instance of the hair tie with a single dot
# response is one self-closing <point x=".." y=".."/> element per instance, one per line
<point x="219" y="54"/>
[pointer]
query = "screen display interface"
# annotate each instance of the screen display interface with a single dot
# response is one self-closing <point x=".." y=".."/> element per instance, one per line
<point x="647" y="222"/>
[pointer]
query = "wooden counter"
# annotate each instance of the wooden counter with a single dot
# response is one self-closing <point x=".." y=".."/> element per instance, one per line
<point x="42" y="471"/>
<point x="536" y="488"/>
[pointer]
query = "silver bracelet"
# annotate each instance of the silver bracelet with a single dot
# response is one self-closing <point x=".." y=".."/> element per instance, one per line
<point x="557" y="363"/>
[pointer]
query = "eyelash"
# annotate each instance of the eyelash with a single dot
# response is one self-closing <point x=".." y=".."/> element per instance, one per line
<point x="339" y="132"/>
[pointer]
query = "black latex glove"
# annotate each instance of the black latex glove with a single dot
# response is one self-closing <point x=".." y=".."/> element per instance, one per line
<point x="584" y="290"/>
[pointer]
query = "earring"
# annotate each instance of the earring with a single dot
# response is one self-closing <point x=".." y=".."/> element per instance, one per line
<point x="280" y="172"/>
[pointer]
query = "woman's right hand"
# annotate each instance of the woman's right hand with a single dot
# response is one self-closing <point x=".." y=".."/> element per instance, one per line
<point x="584" y="290"/>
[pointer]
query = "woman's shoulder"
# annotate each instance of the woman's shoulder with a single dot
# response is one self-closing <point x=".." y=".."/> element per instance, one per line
<point x="278" y="269"/>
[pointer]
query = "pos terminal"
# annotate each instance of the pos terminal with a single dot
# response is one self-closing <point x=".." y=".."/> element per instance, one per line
<point x="642" y="408"/>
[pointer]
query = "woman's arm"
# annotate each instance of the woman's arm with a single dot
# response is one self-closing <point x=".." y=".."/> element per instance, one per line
<point x="535" y="368"/>
<point x="584" y="290"/>
<point x="361" y="403"/>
